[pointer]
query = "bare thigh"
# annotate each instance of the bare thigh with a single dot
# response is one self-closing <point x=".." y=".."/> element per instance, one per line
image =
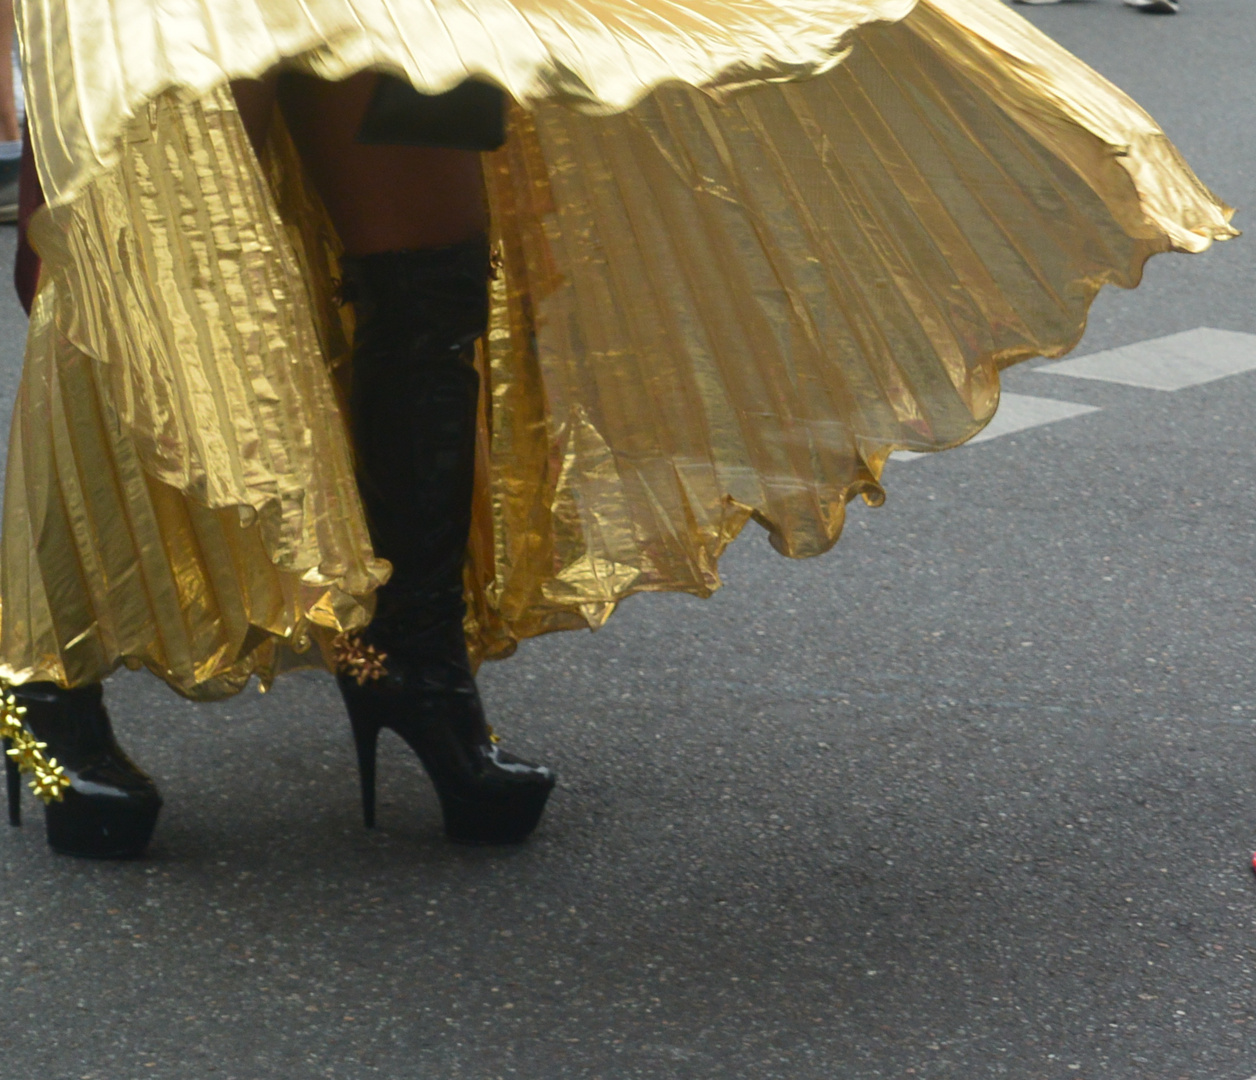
<point x="380" y="198"/>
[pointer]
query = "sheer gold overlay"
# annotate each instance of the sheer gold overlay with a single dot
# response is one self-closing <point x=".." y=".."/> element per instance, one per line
<point x="748" y="248"/>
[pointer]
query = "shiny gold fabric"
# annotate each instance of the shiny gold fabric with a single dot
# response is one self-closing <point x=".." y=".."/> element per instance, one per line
<point x="747" y="250"/>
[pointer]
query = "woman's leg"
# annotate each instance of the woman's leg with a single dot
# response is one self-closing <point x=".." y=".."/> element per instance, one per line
<point x="380" y="198"/>
<point x="412" y="220"/>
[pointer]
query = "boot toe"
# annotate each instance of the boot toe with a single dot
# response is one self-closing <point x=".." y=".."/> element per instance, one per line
<point x="102" y="824"/>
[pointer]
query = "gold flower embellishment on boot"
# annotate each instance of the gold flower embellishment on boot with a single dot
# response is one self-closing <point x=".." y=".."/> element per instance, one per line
<point x="362" y="663"/>
<point x="48" y="779"/>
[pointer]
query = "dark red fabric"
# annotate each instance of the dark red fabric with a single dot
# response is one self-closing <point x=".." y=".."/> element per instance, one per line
<point x="30" y="197"/>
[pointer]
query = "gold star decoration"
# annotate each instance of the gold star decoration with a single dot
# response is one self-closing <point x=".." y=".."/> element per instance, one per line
<point x="362" y="663"/>
<point x="48" y="779"/>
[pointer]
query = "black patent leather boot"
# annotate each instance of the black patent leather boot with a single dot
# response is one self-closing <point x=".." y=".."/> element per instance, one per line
<point x="413" y="404"/>
<point x="111" y="806"/>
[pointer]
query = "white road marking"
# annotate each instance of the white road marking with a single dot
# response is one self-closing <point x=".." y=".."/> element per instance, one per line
<point x="1018" y="412"/>
<point x="1168" y="363"/>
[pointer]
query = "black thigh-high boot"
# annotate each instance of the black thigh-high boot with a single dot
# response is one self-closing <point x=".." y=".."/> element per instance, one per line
<point x="110" y="807"/>
<point x="413" y="411"/>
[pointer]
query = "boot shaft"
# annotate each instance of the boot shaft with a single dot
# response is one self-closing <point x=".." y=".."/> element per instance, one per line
<point x="74" y="722"/>
<point x="439" y="294"/>
<point x="414" y="405"/>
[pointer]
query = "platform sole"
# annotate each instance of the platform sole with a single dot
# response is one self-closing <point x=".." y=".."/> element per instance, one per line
<point x="486" y="821"/>
<point x="101" y="828"/>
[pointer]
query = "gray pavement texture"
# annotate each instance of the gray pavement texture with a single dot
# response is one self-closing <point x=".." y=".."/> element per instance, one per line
<point x="972" y="795"/>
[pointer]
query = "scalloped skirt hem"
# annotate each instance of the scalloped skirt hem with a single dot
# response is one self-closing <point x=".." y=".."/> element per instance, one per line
<point x="709" y="310"/>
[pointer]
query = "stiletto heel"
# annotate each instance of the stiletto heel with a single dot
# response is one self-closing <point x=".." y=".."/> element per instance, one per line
<point x="366" y="739"/>
<point x="413" y="407"/>
<point x="487" y="796"/>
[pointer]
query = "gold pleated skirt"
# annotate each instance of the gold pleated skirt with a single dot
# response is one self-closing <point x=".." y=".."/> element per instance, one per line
<point x="747" y="249"/>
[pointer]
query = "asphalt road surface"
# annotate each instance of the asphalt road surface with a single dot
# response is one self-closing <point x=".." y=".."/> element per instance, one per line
<point x="973" y="795"/>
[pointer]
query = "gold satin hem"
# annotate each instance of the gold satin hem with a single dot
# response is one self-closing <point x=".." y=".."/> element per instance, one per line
<point x="711" y="309"/>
